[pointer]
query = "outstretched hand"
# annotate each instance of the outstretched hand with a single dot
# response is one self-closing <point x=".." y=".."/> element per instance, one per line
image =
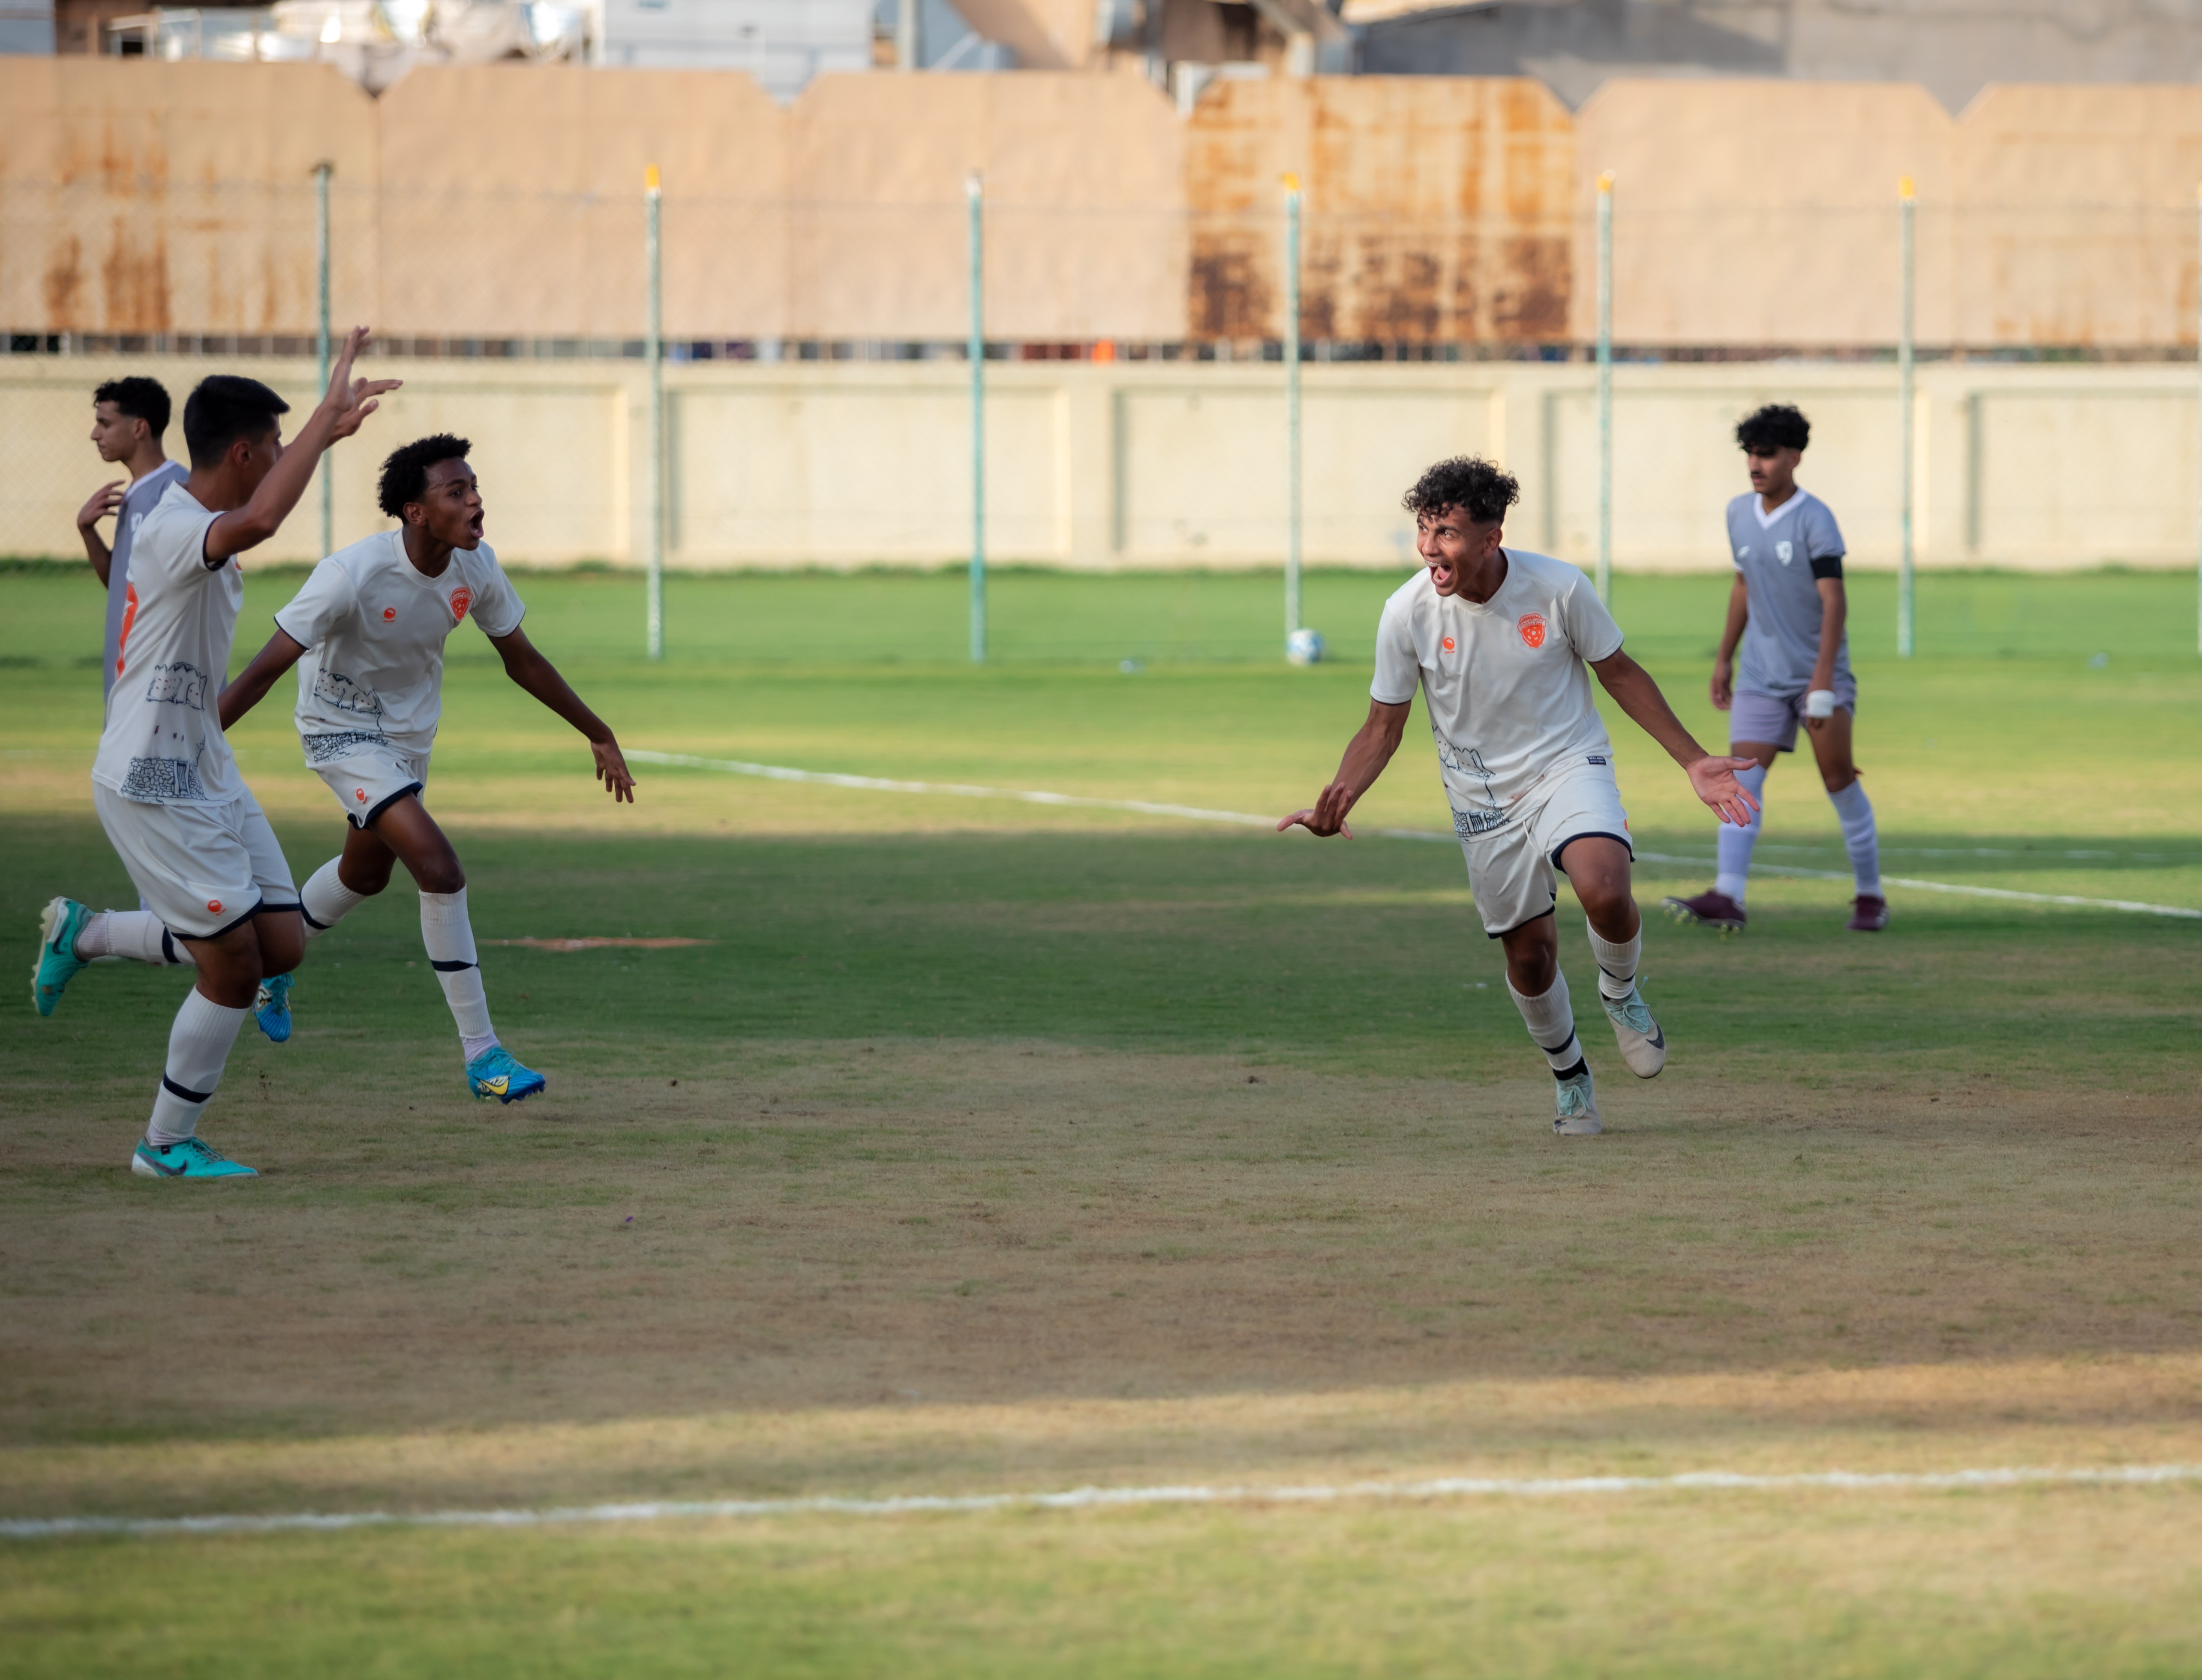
<point x="1327" y="817"/>
<point x="1713" y="780"/>
<point x="612" y="771"/>
<point x="350" y="401"/>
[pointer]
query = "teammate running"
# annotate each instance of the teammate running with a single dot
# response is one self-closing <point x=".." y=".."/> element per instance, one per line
<point x="164" y="783"/>
<point x="367" y="634"/>
<point x="1498" y="639"/>
<point x="1788" y="557"/>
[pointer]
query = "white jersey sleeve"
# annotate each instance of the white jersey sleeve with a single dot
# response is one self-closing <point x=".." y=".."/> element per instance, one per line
<point x="497" y="608"/>
<point x="1589" y="629"/>
<point x="327" y="599"/>
<point x="1399" y="670"/>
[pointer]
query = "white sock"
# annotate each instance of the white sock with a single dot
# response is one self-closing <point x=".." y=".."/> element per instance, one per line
<point x="1859" y="839"/>
<point x="198" y="1045"/>
<point x="324" y="900"/>
<point x="450" y="937"/>
<point x="1735" y="844"/>
<point x="1551" y="1025"/>
<point x="1616" y="964"/>
<point x="135" y="935"/>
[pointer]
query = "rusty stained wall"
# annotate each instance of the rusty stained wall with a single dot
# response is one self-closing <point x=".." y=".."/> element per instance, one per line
<point x="1435" y="209"/>
<point x="151" y="198"/>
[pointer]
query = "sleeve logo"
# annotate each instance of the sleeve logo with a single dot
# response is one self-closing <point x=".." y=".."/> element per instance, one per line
<point x="462" y="598"/>
<point x="1532" y="626"/>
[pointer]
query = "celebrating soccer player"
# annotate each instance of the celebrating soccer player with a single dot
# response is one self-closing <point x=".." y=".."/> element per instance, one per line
<point x="164" y="783"/>
<point x="1498" y="639"/>
<point x="367" y="634"/>
<point x="1788" y="556"/>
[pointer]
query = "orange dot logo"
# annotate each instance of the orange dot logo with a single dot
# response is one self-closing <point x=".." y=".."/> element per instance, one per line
<point x="462" y="598"/>
<point x="1532" y="626"/>
<point x="359" y="794"/>
<point x="213" y="906"/>
<point x="1447" y="644"/>
<point x="388" y="614"/>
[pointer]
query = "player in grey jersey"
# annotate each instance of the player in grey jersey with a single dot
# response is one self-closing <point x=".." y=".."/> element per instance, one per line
<point x="1787" y="552"/>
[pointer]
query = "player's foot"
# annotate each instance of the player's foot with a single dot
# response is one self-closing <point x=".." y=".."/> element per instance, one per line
<point x="58" y="927"/>
<point x="1869" y="914"/>
<point x="1643" y="1046"/>
<point x="1708" y="909"/>
<point x="193" y="1157"/>
<point x="271" y="1007"/>
<point x="1577" y="1115"/>
<point x="494" y="1073"/>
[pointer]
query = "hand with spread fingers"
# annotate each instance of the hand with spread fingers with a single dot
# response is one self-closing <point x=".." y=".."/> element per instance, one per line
<point x="1713" y="780"/>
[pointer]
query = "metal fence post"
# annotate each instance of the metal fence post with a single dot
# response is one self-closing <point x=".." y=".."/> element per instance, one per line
<point x="1292" y="406"/>
<point x="2197" y="364"/>
<point x="653" y="352"/>
<point x="1605" y="388"/>
<point x="322" y="171"/>
<point x="975" y="197"/>
<point x="1906" y="207"/>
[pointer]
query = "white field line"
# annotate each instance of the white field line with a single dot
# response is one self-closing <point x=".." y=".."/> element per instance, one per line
<point x="781" y="773"/>
<point x="1087" y="1499"/>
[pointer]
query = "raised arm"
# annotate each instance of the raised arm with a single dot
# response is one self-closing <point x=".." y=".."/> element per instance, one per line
<point x="106" y="500"/>
<point x="1712" y="778"/>
<point x="1366" y="755"/>
<point x="250" y="686"/>
<point x="527" y="667"/>
<point x="1739" y="614"/>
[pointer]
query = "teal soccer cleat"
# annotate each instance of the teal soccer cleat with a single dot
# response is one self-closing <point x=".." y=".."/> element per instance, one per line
<point x="193" y="1157"/>
<point x="58" y="962"/>
<point x="271" y="1007"/>
<point x="494" y="1073"/>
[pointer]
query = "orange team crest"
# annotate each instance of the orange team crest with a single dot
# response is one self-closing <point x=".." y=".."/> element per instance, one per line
<point x="462" y="598"/>
<point x="1532" y="626"/>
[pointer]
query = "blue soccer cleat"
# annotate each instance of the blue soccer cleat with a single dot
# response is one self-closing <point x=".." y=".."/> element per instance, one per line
<point x="494" y="1073"/>
<point x="58" y="927"/>
<point x="271" y="1007"/>
<point x="193" y="1157"/>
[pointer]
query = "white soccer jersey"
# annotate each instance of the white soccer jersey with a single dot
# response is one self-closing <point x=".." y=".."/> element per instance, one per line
<point x="1508" y="699"/>
<point x="373" y="626"/>
<point x="163" y="743"/>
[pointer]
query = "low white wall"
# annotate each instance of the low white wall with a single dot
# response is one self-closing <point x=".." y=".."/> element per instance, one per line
<point x="1155" y="465"/>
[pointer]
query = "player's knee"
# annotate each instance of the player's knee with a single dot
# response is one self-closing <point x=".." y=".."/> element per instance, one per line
<point x="440" y="875"/>
<point x="282" y="944"/>
<point x="1838" y="778"/>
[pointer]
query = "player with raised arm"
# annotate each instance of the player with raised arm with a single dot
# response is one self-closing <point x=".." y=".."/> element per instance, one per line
<point x="164" y="783"/>
<point x="1498" y="639"/>
<point x="1788" y="556"/>
<point x="367" y="634"/>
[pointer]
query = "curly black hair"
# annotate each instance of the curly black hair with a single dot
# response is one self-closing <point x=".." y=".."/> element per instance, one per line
<point x="405" y="475"/>
<point x="1778" y="426"/>
<point x="1483" y="488"/>
<point x="137" y="398"/>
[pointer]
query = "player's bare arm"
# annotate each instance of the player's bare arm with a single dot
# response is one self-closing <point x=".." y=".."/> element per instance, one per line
<point x="250" y="686"/>
<point x="1366" y="755"/>
<point x="1712" y="778"/>
<point x="1738" y="615"/>
<point x="347" y="402"/>
<point x="1834" y="608"/>
<point x="106" y="501"/>
<point x="527" y="667"/>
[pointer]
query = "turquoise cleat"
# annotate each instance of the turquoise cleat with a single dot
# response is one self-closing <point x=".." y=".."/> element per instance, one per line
<point x="271" y="1007"/>
<point x="58" y="962"/>
<point x="494" y="1073"/>
<point x="193" y="1157"/>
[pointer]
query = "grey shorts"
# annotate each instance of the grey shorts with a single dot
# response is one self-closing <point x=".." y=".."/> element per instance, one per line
<point x="1772" y="719"/>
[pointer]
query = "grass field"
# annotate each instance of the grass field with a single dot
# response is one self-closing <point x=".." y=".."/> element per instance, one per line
<point x="988" y="1147"/>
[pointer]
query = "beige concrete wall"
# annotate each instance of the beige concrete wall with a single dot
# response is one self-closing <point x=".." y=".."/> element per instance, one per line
<point x="1149" y="465"/>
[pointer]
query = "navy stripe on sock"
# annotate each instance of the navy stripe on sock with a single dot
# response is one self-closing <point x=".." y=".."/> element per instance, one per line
<point x="450" y="968"/>
<point x="1580" y="1066"/>
<point x="309" y="915"/>
<point x="1554" y="1049"/>
<point x="177" y="1091"/>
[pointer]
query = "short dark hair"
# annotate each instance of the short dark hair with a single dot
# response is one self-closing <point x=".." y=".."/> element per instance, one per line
<point x="405" y="475"/>
<point x="223" y="407"/>
<point x="1778" y="426"/>
<point x="1484" y="489"/>
<point x="140" y="398"/>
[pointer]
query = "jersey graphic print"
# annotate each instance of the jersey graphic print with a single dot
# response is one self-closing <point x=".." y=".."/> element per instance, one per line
<point x="180" y="684"/>
<point x="322" y="748"/>
<point x="1532" y="626"/>
<point x="1487" y="816"/>
<point x="339" y="693"/>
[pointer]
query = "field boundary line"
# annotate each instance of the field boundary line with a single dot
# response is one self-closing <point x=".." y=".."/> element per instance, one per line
<point x="1090" y="1498"/>
<point x="781" y="772"/>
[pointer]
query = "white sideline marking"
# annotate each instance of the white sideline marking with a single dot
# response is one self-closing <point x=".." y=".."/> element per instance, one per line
<point x="1087" y="1499"/>
<point x="781" y="773"/>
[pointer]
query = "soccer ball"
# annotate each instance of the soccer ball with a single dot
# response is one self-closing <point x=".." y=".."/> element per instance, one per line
<point x="1304" y="647"/>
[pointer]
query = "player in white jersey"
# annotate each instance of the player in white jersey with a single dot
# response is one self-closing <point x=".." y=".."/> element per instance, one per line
<point x="1498" y="639"/>
<point x="164" y="782"/>
<point x="367" y="634"/>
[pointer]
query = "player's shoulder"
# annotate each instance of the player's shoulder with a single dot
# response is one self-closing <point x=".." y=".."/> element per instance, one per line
<point x="361" y="559"/>
<point x="1411" y="593"/>
<point x="480" y="560"/>
<point x="1814" y="510"/>
<point x="177" y="516"/>
<point x="1550" y="576"/>
<point x="1739" y="506"/>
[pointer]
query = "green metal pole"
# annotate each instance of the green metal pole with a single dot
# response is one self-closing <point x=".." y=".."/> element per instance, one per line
<point x="974" y="196"/>
<point x="322" y="171"/>
<point x="1291" y="405"/>
<point x="653" y="352"/>
<point x="1605" y="388"/>
<point x="1904" y="602"/>
<point x="2198" y="359"/>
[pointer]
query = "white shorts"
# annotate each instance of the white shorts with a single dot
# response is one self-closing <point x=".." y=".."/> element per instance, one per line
<point x="1513" y="871"/>
<point x="365" y="771"/>
<point x="202" y="869"/>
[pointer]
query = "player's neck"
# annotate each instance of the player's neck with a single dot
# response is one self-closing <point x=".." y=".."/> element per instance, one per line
<point x="147" y="457"/>
<point x="217" y="489"/>
<point x="430" y="558"/>
<point x="1485" y="578"/>
<point x="1768" y="501"/>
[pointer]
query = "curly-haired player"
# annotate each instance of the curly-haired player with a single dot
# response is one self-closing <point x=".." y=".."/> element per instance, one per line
<point x="367" y="634"/>
<point x="1498" y="640"/>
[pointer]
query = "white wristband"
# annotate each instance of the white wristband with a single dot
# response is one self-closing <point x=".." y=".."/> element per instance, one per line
<point x="1820" y="703"/>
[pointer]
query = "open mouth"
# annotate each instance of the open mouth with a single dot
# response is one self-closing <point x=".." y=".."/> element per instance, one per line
<point x="1442" y="574"/>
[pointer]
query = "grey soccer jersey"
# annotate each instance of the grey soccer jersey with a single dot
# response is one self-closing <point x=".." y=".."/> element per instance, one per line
<point x="137" y="500"/>
<point x="1781" y="556"/>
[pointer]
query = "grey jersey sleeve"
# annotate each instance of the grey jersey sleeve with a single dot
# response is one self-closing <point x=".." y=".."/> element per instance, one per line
<point x="1824" y="538"/>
